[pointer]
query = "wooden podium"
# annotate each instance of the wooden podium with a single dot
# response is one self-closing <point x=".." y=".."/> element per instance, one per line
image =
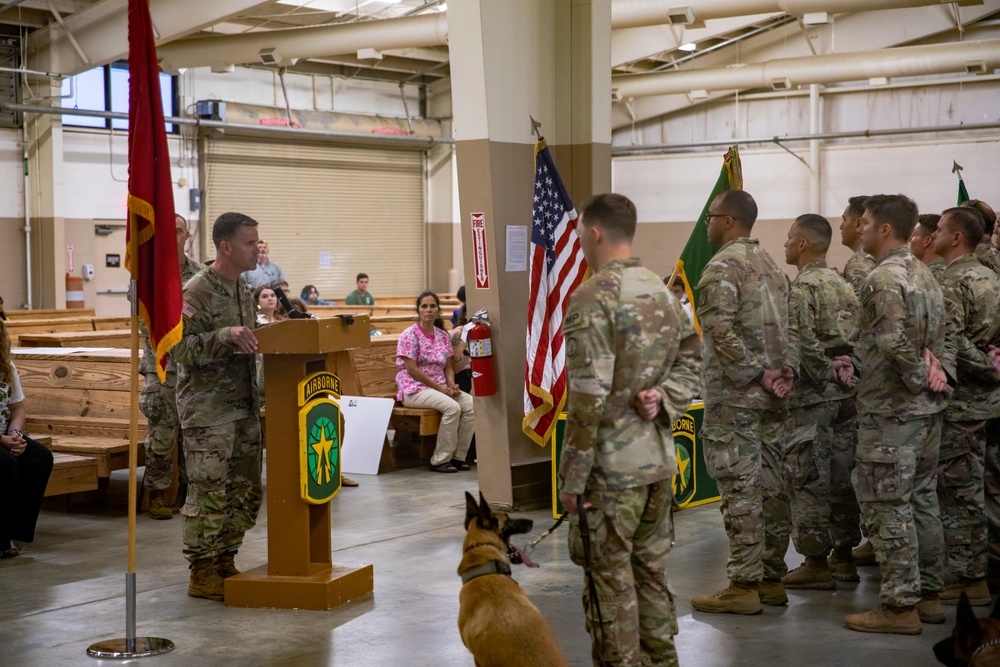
<point x="299" y="573"/>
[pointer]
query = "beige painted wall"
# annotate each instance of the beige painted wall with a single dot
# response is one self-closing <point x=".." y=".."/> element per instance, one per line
<point x="14" y="283"/>
<point x="440" y="243"/>
<point x="659" y="244"/>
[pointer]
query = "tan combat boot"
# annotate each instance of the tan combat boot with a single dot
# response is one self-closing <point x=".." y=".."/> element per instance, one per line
<point x="865" y="554"/>
<point x="929" y="609"/>
<point x="737" y="598"/>
<point x="225" y="564"/>
<point x="883" y="618"/>
<point x="205" y="580"/>
<point x="813" y="574"/>
<point x="772" y="593"/>
<point x="158" y="508"/>
<point x="842" y="566"/>
<point x="978" y="592"/>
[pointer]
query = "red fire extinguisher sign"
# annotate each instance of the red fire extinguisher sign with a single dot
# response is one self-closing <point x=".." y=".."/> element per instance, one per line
<point x="482" y="270"/>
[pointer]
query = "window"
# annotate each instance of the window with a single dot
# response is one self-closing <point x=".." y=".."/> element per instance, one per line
<point x="106" y="89"/>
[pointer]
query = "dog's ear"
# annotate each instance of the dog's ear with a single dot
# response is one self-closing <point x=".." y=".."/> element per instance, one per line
<point x="967" y="633"/>
<point x="471" y="509"/>
<point x="485" y="518"/>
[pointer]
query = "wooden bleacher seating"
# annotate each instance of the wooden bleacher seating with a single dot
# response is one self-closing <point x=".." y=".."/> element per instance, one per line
<point x="48" y="313"/>
<point x="120" y="338"/>
<point x="82" y="402"/>
<point x="44" y="325"/>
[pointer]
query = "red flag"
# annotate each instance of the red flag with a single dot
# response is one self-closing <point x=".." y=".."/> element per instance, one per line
<point x="151" y="255"/>
<point x="557" y="267"/>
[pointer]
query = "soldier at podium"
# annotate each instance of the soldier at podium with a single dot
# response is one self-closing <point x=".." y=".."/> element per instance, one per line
<point x="218" y="409"/>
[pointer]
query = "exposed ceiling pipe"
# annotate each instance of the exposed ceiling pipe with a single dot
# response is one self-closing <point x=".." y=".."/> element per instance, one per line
<point x="781" y="74"/>
<point x="637" y="13"/>
<point x="284" y="47"/>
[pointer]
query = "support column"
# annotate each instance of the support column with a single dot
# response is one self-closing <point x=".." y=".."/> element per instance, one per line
<point x="549" y="59"/>
<point x="48" y="226"/>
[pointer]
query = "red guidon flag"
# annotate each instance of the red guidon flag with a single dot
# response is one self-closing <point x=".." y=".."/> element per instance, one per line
<point x="151" y="253"/>
<point x="557" y="267"/>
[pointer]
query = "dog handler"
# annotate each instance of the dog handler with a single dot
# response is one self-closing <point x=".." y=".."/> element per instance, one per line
<point x="633" y="363"/>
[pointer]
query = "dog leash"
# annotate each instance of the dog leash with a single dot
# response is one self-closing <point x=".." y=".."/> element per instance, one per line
<point x="591" y="586"/>
<point x="531" y="547"/>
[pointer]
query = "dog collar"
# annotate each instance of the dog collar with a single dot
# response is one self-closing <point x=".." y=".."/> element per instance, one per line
<point x="490" y="567"/>
<point x="982" y="647"/>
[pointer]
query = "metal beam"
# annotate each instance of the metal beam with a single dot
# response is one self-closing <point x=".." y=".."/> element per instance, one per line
<point x="102" y="31"/>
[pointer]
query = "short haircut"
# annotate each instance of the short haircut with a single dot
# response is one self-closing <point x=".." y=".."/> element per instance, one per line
<point x="989" y="215"/>
<point x="228" y="225"/>
<point x="927" y="223"/>
<point x="897" y="211"/>
<point x="741" y="206"/>
<point x="816" y="230"/>
<point x="360" y="276"/>
<point x="856" y="205"/>
<point x="614" y="214"/>
<point x="967" y="220"/>
<point x="178" y="216"/>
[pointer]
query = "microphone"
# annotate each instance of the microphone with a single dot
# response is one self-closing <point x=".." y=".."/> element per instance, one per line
<point x="293" y="313"/>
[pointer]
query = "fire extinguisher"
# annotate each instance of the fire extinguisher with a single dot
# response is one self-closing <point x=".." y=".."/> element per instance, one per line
<point x="481" y="353"/>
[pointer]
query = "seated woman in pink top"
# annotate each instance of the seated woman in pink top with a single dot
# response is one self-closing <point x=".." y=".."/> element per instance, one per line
<point x="426" y="379"/>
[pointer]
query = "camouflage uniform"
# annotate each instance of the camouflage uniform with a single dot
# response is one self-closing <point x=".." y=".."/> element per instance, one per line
<point x="988" y="255"/>
<point x="219" y="414"/>
<point x="159" y="405"/>
<point x="626" y="333"/>
<point x="857" y="269"/>
<point x="822" y="324"/>
<point x="972" y="300"/>
<point x="743" y="312"/>
<point x="937" y="267"/>
<point x="899" y="429"/>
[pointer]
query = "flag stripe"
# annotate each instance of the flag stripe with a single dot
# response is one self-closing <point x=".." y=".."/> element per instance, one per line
<point x="557" y="268"/>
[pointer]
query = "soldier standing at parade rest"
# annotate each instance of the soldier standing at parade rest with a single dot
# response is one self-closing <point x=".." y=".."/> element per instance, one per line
<point x="901" y="395"/>
<point x="823" y="324"/>
<point x="218" y="408"/>
<point x="922" y="244"/>
<point x="632" y="366"/>
<point x="985" y="251"/>
<point x="749" y="369"/>
<point x="972" y="300"/>
<point x="159" y="404"/>
<point x="860" y="263"/>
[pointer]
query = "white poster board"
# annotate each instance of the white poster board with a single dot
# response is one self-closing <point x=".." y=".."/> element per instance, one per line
<point x="365" y="423"/>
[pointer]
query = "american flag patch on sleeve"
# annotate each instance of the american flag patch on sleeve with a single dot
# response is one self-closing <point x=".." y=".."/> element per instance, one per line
<point x="188" y="310"/>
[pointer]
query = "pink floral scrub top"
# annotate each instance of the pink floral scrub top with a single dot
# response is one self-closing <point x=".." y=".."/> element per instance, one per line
<point x="430" y="353"/>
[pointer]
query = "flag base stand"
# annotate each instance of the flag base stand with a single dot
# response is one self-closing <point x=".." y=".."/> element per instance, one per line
<point x="118" y="649"/>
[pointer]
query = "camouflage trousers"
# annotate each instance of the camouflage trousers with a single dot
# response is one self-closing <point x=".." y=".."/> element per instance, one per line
<point x="895" y="478"/>
<point x="961" y="498"/>
<point x="991" y="486"/>
<point x="158" y="403"/>
<point x="817" y="468"/>
<point x="743" y="453"/>
<point x="224" y="486"/>
<point x="631" y="532"/>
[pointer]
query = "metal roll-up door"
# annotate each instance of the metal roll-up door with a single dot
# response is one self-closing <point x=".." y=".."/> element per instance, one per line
<point x="327" y="212"/>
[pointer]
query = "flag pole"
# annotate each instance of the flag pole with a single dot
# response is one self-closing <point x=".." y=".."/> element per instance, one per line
<point x="132" y="646"/>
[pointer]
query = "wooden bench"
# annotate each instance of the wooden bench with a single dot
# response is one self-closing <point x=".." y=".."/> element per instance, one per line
<point x="15" y="328"/>
<point x="71" y="474"/>
<point x="374" y="370"/>
<point x="48" y="313"/>
<point x="119" y="338"/>
<point x="83" y="402"/>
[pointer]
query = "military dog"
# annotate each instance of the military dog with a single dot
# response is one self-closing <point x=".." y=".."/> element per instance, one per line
<point x="498" y="623"/>
<point x="974" y="642"/>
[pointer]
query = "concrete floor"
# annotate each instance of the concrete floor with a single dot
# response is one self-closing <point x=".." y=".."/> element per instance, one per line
<point x="67" y="592"/>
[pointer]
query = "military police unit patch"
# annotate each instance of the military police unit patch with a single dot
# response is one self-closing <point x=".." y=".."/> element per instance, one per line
<point x="684" y="444"/>
<point x="321" y="433"/>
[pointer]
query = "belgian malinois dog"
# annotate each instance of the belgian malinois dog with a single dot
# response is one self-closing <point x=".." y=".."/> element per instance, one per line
<point x="974" y="642"/>
<point x="498" y="623"/>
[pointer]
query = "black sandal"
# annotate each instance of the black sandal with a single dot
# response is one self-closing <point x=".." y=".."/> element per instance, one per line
<point x="460" y="465"/>
<point x="13" y="552"/>
<point x="444" y="467"/>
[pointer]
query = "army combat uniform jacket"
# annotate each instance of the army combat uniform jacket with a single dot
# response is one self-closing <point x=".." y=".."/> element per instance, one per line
<point x="624" y="333"/>
<point x="216" y="383"/>
<point x="902" y="312"/>
<point x="822" y="324"/>
<point x="857" y="268"/>
<point x="744" y="322"/>
<point x="147" y="364"/>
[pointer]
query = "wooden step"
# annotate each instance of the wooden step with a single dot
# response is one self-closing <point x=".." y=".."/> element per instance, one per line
<point x="71" y="474"/>
<point x="99" y="427"/>
<point x="109" y="453"/>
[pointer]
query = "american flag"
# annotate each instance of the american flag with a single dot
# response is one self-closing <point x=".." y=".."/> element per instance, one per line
<point x="557" y="267"/>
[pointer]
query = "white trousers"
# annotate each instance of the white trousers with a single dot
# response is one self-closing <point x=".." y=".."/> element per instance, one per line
<point x="458" y="422"/>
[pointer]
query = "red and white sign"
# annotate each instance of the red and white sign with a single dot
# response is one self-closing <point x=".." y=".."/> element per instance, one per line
<point x="479" y="251"/>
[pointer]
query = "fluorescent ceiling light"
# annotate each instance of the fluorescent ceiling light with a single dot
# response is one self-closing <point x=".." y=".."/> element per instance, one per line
<point x="690" y="46"/>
